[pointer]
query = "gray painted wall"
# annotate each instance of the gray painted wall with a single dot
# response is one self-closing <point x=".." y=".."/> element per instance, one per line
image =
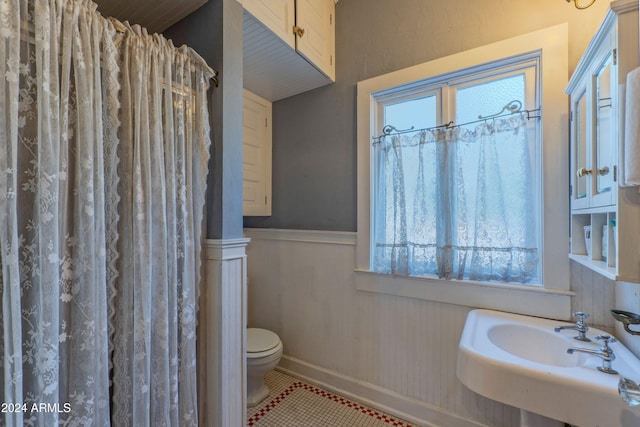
<point x="215" y="32"/>
<point x="314" y="134"/>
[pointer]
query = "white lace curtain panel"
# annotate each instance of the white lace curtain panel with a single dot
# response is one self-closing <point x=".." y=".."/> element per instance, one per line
<point x="458" y="203"/>
<point x="104" y="144"/>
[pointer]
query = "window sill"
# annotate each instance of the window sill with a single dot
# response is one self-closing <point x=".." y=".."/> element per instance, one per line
<point x="521" y="299"/>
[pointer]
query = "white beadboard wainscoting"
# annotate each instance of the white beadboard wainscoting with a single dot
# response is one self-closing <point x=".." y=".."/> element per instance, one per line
<point x="627" y="296"/>
<point x="395" y="353"/>
<point x="597" y="295"/>
<point x="222" y="375"/>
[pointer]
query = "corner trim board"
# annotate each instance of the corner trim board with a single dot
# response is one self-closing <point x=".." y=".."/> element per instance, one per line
<point x="222" y="332"/>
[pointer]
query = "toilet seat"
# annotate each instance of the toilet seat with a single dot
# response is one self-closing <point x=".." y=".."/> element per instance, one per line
<point x="262" y="343"/>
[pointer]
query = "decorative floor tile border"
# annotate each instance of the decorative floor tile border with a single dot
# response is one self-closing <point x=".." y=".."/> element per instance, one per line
<point x="270" y="406"/>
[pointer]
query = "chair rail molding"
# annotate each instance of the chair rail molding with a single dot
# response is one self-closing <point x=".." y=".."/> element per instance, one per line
<point x="222" y="330"/>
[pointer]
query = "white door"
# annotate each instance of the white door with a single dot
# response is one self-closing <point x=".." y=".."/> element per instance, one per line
<point x="277" y="15"/>
<point x="605" y="135"/>
<point x="315" y="38"/>
<point x="580" y="152"/>
<point x="256" y="152"/>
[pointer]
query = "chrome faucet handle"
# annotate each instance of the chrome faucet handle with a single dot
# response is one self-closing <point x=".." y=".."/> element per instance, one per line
<point x="581" y="316"/>
<point x="629" y="391"/>
<point x="581" y="326"/>
<point x="607" y="339"/>
<point x="608" y="354"/>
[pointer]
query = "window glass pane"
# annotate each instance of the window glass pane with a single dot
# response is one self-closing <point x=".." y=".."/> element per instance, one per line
<point x="581" y="145"/>
<point x="417" y="112"/>
<point x="489" y="97"/>
<point x="602" y="169"/>
<point x="460" y="203"/>
<point x="501" y="175"/>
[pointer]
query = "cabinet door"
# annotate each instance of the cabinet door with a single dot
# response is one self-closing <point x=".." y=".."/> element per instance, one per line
<point x="580" y="156"/>
<point x="256" y="152"/>
<point x="315" y="41"/>
<point x="605" y="136"/>
<point x="277" y="15"/>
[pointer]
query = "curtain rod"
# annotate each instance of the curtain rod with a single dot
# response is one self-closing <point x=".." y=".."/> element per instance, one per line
<point x="122" y="29"/>
<point x="513" y="107"/>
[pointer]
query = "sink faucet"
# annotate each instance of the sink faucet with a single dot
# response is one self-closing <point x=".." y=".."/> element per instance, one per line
<point x="580" y="326"/>
<point x="605" y="353"/>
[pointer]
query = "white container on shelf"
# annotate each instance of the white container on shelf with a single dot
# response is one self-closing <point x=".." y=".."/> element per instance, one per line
<point x="587" y="239"/>
<point x="605" y="241"/>
<point x="614" y="239"/>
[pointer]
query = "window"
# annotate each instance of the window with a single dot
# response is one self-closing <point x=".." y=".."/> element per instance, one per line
<point x="460" y="201"/>
<point x="421" y="224"/>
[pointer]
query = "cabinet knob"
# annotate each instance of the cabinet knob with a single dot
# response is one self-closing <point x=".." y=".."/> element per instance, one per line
<point x="603" y="171"/>
<point x="582" y="172"/>
<point x="299" y="31"/>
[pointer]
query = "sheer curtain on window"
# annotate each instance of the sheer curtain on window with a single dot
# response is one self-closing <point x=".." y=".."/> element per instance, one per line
<point x="458" y="203"/>
<point x="104" y="143"/>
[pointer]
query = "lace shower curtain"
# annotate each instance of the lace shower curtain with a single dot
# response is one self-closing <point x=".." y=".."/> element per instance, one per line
<point x="164" y="152"/>
<point x="99" y="220"/>
<point x="458" y="203"/>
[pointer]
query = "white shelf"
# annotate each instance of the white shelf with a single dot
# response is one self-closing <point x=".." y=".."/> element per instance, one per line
<point x="596" y="265"/>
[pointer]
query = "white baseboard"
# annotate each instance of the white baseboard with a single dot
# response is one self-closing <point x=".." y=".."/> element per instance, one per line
<point x="411" y="410"/>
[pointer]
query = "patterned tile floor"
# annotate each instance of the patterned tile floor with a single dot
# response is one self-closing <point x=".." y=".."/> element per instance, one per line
<point x="293" y="403"/>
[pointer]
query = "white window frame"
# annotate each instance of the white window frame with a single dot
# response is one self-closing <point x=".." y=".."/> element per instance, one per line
<point x="553" y="298"/>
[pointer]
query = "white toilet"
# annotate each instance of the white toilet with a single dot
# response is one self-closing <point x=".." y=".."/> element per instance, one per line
<point x="264" y="350"/>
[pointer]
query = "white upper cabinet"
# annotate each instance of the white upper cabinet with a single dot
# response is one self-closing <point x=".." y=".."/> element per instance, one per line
<point x="605" y="218"/>
<point x="594" y="105"/>
<point x="288" y="46"/>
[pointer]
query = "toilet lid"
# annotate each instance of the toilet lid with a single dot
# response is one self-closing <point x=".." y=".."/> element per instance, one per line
<point x="259" y="340"/>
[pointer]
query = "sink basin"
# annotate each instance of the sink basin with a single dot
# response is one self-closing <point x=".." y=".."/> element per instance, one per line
<point x="527" y="342"/>
<point x="523" y="362"/>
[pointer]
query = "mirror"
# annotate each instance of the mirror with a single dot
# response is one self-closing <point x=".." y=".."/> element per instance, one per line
<point x="581" y="144"/>
<point x="601" y="169"/>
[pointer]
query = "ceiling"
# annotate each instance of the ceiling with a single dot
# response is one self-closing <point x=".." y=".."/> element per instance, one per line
<point x="155" y="15"/>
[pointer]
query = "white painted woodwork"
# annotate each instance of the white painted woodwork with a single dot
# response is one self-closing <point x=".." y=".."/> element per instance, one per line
<point x="317" y="44"/>
<point x="397" y="353"/>
<point x="273" y="68"/>
<point x="256" y="152"/>
<point x="619" y="32"/>
<point x="155" y="15"/>
<point x="222" y="334"/>
<point x="279" y="16"/>
<point x="552" y="42"/>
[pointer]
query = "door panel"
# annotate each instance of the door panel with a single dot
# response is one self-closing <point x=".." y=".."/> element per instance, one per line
<point x="256" y="156"/>
<point x="316" y="44"/>
<point x="277" y="15"/>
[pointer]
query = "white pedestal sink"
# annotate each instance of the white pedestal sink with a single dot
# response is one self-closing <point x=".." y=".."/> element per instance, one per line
<point x="521" y="361"/>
